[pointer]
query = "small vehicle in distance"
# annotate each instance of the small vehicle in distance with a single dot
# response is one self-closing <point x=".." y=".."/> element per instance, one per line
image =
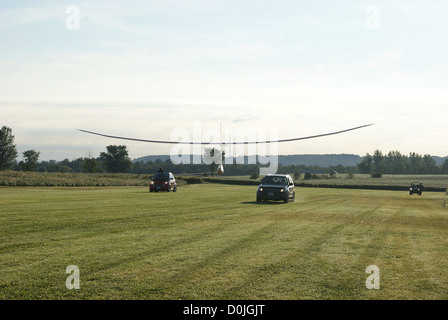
<point x="416" y="188"/>
<point x="163" y="181"/>
<point x="276" y="187"/>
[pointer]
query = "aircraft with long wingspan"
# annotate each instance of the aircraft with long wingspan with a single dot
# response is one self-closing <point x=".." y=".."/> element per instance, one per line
<point x="223" y="143"/>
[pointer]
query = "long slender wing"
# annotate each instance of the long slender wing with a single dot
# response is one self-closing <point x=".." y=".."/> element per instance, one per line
<point x="225" y="143"/>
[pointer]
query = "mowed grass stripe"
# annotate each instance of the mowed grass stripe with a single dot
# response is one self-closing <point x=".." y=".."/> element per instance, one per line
<point x="308" y="270"/>
<point x="216" y="242"/>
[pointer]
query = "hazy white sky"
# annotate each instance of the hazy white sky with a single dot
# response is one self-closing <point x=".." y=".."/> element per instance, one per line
<point x="144" y="68"/>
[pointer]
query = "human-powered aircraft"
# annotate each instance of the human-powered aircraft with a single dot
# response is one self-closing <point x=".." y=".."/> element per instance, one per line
<point x="223" y="143"/>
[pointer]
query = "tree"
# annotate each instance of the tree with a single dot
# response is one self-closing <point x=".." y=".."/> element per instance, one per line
<point x="53" y="166"/>
<point x="366" y="165"/>
<point x="415" y="163"/>
<point x="429" y="164"/>
<point x="444" y="168"/>
<point x="8" y="151"/>
<point x="394" y="162"/>
<point x="31" y="157"/>
<point x="339" y="168"/>
<point x="378" y="161"/>
<point x="254" y="175"/>
<point x="89" y="165"/>
<point x="116" y="159"/>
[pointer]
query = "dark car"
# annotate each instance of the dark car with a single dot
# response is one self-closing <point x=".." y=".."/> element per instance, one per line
<point x="276" y="187"/>
<point x="416" y="188"/>
<point x="163" y="181"/>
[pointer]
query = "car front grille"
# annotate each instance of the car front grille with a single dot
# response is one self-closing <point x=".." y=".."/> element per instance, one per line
<point x="275" y="191"/>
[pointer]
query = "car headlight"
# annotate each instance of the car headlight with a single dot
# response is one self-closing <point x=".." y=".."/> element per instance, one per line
<point x="281" y="190"/>
<point x="152" y="182"/>
<point x="260" y="189"/>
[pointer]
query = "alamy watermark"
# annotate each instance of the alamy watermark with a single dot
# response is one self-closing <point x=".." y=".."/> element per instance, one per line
<point x="231" y="146"/>
<point x="72" y="281"/>
<point x="373" y="18"/>
<point x="72" y="22"/>
<point x="373" y="280"/>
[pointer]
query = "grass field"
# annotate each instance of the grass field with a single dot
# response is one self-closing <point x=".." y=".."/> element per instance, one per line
<point x="213" y="241"/>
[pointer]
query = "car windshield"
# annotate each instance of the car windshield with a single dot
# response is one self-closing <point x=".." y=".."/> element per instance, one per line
<point x="161" y="176"/>
<point x="274" y="180"/>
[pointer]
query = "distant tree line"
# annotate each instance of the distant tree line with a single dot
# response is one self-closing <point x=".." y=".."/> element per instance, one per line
<point x="396" y="163"/>
<point x="116" y="160"/>
<point x="150" y="167"/>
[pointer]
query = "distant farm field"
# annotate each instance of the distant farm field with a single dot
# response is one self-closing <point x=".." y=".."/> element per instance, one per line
<point x="213" y="241"/>
<point x="361" y="181"/>
<point x="437" y="183"/>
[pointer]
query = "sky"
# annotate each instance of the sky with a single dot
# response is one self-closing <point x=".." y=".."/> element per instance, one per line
<point x="144" y="69"/>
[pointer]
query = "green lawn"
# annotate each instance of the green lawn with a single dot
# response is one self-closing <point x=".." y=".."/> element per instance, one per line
<point x="211" y="241"/>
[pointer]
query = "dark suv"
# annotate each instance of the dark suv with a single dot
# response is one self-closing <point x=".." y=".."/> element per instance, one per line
<point x="416" y="188"/>
<point x="276" y="187"/>
<point x="163" y="181"/>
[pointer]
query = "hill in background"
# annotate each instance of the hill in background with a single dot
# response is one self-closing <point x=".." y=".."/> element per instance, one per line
<point x="321" y="160"/>
<point x="325" y="161"/>
<point x="439" y="160"/>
